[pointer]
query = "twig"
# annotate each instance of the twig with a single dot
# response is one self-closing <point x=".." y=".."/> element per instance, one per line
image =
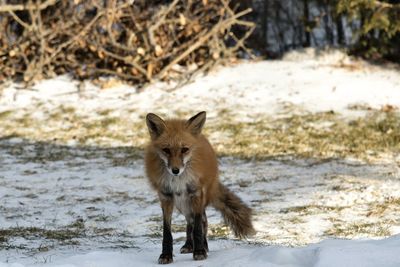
<point x="137" y="42"/>
<point x="127" y="60"/>
<point x="30" y="6"/>
<point x="240" y="42"/>
<point x="75" y="38"/>
<point x="17" y="19"/>
<point x="111" y="72"/>
<point x="159" y="21"/>
<point x="381" y="4"/>
<point x="201" y="40"/>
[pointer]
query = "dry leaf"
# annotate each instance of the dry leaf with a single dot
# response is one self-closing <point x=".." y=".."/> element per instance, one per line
<point x="12" y="53"/>
<point x="134" y="71"/>
<point x="158" y="50"/>
<point x="388" y="108"/>
<point x="182" y="19"/>
<point x="92" y="48"/>
<point x="215" y="55"/>
<point x="141" y="51"/>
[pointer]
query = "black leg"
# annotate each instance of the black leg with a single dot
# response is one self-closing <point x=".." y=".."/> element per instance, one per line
<point x="205" y="230"/>
<point x="166" y="255"/>
<point x="199" y="250"/>
<point x="188" y="246"/>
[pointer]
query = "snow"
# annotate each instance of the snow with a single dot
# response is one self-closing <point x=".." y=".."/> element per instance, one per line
<point x="355" y="253"/>
<point x="121" y="214"/>
<point x="332" y="81"/>
<point x="302" y="207"/>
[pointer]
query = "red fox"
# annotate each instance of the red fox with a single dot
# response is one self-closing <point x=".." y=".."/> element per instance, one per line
<point x="182" y="167"/>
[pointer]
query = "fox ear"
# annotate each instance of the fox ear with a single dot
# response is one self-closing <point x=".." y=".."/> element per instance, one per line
<point x="155" y="124"/>
<point x="196" y="123"/>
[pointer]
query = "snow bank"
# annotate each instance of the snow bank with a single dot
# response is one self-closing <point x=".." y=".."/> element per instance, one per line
<point x="352" y="253"/>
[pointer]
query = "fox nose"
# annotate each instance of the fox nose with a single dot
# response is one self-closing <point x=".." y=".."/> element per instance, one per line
<point x="175" y="171"/>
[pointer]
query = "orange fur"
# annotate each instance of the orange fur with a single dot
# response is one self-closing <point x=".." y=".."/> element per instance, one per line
<point x="178" y="145"/>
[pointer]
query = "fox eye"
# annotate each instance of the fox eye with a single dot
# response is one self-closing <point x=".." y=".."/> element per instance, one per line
<point x="184" y="149"/>
<point x="166" y="151"/>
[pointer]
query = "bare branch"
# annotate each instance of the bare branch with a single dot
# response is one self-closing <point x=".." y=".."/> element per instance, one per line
<point x="30" y="6"/>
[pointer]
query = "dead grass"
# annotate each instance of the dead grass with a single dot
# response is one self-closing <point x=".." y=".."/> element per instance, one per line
<point x="319" y="135"/>
<point x="69" y="232"/>
<point x="390" y="204"/>
<point x="311" y="209"/>
<point x="361" y="228"/>
<point x="218" y="231"/>
<point x="33" y="240"/>
<point x="5" y="114"/>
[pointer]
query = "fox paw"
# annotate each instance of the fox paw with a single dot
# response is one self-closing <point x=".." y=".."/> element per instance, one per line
<point x="187" y="248"/>
<point x="165" y="259"/>
<point x="200" y="254"/>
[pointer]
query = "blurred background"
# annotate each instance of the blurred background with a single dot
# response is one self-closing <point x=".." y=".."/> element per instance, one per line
<point x="140" y="41"/>
<point x="365" y="28"/>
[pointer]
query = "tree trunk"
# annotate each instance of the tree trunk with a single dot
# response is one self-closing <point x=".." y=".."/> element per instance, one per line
<point x="328" y="23"/>
<point x="306" y="23"/>
<point x="265" y="24"/>
<point x="340" y="31"/>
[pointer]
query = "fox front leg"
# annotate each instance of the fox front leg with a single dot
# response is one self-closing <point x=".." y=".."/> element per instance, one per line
<point x="199" y="239"/>
<point x="167" y="247"/>
<point x="188" y="246"/>
<point x="205" y="230"/>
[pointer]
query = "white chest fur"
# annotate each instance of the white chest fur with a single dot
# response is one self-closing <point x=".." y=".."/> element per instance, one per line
<point x="178" y="186"/>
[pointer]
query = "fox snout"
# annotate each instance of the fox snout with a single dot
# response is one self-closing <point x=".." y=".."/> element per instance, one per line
<point x="174" y="162"/>
<point x="175" y="166"/>
<point x="175" y="171"/>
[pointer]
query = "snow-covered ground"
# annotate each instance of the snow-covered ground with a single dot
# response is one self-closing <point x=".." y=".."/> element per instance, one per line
<point x="331" y="81"/>
<point x="329" y="253"/>
<point x="107" y="212"/>
<point x="68" y="202"/>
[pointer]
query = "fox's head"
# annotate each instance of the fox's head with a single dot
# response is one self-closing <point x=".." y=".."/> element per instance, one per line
<point x="175" y="140"/>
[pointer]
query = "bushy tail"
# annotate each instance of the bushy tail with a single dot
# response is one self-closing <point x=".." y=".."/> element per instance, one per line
<point x="235" y="212"/>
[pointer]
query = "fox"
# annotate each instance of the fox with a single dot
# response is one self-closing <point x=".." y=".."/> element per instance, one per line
<point x="182" y="167"/>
